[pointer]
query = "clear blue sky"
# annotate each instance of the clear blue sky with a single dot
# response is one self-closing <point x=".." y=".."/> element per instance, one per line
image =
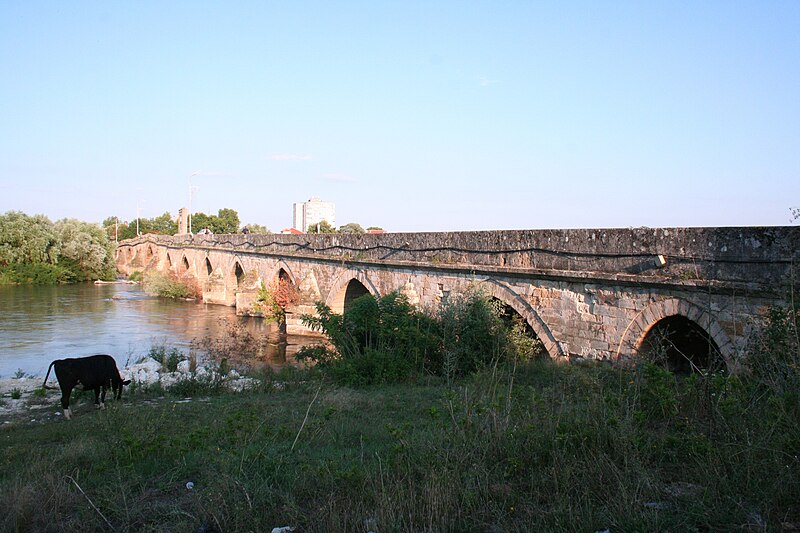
<point x="413" y="116"/>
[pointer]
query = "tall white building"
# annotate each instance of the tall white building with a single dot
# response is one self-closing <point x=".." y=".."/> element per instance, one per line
<point x="309" y="213"/>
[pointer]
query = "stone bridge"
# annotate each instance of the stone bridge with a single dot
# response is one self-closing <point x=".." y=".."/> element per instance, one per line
<point x="591" y="293"/>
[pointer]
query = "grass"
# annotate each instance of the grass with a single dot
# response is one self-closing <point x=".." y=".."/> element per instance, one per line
<point x="539" y="447"/>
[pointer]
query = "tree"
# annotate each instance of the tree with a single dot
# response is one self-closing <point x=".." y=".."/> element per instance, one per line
<point x="87" y="247"/>
<point x="26" y="239"/>
<point x="321" y="227"/>
<point x="227" y="221"/>
<point x="258" y="229"/>
<point x="164" y="225"/>
<point x="351" y="228"/>
<point x="374" y="228"/>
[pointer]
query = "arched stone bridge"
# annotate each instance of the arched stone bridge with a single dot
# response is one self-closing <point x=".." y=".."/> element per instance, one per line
<point x="593" y="293"/>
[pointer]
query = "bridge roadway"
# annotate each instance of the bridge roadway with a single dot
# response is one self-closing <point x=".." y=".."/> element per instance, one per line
<point x="591" y="293"/>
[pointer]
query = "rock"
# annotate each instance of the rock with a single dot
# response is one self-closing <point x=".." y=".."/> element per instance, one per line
<point x="184" y="366"/>
<point x="284" y="529"/>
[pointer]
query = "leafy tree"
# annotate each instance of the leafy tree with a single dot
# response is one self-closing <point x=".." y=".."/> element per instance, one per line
<point x="352" y="228"/>
<point x="163" y="224"/>
<point x="226" y="221"/>
<point x="258" y="229"/>
<point x="34" y="250"/>
<point x="322" y="227"/>
<point x="374" y="228"/>
<point x="87" y="247"/>
<point x="26" y="239"/>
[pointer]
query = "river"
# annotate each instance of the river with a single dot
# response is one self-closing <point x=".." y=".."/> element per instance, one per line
<point x="39" y="324"/>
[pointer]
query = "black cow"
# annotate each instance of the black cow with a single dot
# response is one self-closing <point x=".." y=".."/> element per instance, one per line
<point x="96" y="372"/>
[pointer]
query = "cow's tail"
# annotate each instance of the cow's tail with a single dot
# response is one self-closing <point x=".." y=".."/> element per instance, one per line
<point x="44" y="385"/>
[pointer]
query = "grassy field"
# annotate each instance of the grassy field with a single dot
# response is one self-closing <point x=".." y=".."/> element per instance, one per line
<point x="539" y="447"/>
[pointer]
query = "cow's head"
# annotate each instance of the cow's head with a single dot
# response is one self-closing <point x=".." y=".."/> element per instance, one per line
<point x="116" y="387"/>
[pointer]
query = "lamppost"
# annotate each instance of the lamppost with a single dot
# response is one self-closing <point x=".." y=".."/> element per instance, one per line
<point x="137" y="219"/>
<point x="192" y="190"/>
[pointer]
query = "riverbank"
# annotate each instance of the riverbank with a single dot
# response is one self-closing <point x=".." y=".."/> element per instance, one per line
<point x="542" y="447"/>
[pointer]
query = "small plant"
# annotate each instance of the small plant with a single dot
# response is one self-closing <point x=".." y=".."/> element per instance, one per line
<point x="39" y="392"/>
<point x="273" y="300"/>
<point x="16" y="394"/>
<point x="169" y="359"/>
<point x="136" y="275"/>
<point x="19" y="374"/>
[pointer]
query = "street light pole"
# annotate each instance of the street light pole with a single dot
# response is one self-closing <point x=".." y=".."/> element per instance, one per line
<point x="192" y="190"/>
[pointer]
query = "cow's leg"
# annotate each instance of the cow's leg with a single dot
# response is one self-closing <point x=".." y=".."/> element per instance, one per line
<point x="97" y="403"/>
<point x="65" y="394"/>
<point x="103" y="397"/>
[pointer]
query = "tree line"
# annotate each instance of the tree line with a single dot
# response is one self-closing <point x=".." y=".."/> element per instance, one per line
<point x="33" y="249"/>
<point x="225" y="221"/>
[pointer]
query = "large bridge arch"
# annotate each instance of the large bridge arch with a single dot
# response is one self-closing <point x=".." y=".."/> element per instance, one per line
<point x="509" y="297"/>
<point x="337" y="296"/>
<point x="636" y="333"/>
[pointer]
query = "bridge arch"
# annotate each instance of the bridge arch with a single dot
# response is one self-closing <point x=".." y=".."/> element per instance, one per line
<point x="507" y="296"/>
<point x="185" y="265"/>
<point x="238" y="272"/>
<point x="279" y="267"/>
<point x="344" y="290"/>
<point x="635" y="337"/>
<point x="209" y="267"/>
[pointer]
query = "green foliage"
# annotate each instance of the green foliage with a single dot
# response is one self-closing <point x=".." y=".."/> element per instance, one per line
<point x="33" y="250"/>
<point x="377" y="341"/>
<point x="273" y="300"/>
<point x="163" y="224"/>
<point x="37" y="274"/>
<point x="389" y="340"/>
<point x="168" y="359"/>
<point x="257" y="229"/>
<point x="536" y="447"/>
<point x="774" y="353"/>
<point x="16" y="393"/>
<point x="321" y="227"/>
<point x="27" y="239"/>
<point x="168" y="286"/>
<point x="352" y="228"/>
<point x="225" y="221"/>
<point x="136" y="275"/>
<point x="87" y="247"/>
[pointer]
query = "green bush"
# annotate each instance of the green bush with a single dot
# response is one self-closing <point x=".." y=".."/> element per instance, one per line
<point x="168" y="286"/>
<point x="37" y="274"/>
<point x="388" y="340"/>
<point x="168" y="359"/>
<point x="376" y="341"/>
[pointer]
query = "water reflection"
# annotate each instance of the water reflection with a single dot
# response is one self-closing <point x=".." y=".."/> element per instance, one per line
<point x="39" y="324"/>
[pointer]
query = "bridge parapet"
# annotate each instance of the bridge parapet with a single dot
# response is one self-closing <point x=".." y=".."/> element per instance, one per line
<point x="756" y="258"/>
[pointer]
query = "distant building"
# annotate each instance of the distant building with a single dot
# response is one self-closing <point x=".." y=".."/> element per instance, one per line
<point x="313" y="212"/>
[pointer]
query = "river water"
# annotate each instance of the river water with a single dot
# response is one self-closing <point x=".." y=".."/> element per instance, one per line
<point x="40" y="324"/>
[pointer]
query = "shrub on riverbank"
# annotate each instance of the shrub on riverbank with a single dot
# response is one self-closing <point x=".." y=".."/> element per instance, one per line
<point x="388" y="340"/>
<point x="169" y="285"/>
